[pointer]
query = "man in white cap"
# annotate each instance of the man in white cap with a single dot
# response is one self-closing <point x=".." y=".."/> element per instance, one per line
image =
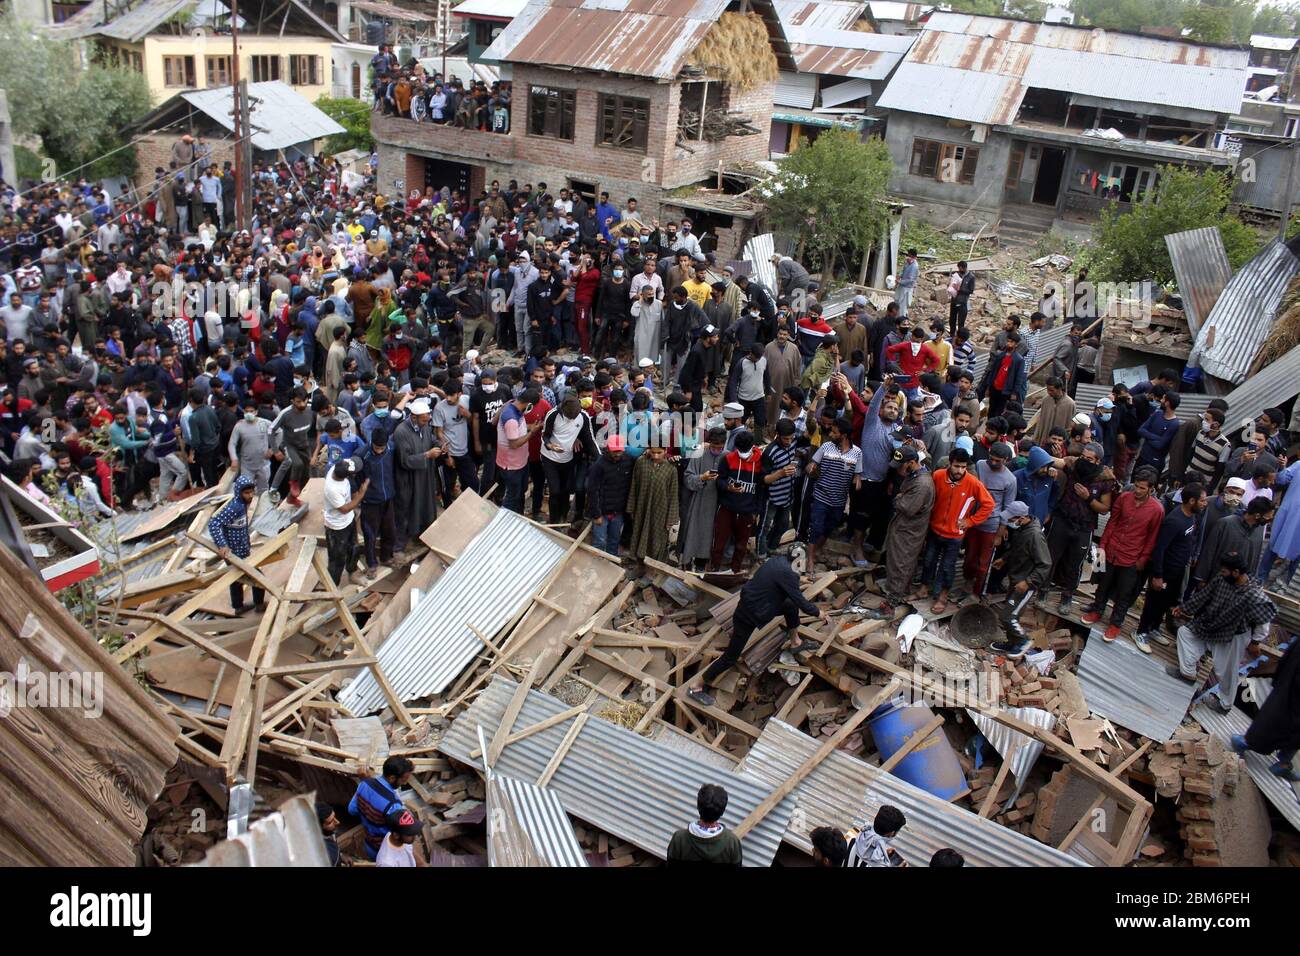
<point x="415" y="450"/>
<point x="647" y="365"/>
<point x="733" y="420"/>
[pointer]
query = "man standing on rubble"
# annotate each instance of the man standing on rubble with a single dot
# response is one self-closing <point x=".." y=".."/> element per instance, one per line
<point x="1026" y="562"/>
<point x="228" y="530"/>
<point x="376" y="798"/>
<point x="415" y="450"/>
<point x="907" y="530"/>
<point x="772" y="592"/>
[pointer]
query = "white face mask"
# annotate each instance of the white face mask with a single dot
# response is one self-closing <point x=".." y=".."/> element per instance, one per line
<point x="745" y="455"/>
<point x="489" y="387"/>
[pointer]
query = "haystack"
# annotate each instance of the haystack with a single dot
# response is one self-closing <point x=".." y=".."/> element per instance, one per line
<point x="1284" y="334"/>
<point x="738" y="50"/>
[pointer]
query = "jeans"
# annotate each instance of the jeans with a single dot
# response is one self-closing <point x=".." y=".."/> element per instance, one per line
<point x="173" y="472"/>
<point x="514" y="480"/>
<point x="940" y="564"/>
<point x="728" y="526"/>
<point x="559" y="480"/>
<point x="1120" y="583"/>
<point x="523" y="333"/>
<point x="378" y="523"/>
<point x="903" y="296"/>
<point x="1266" y="564"/>
<point x="489" y="475"/>
<point x="605" y="535"/>
<point x="466" y="473"/>
<point x="870" y="509"/>
<point x="537" y="477"/>
<point x="742" y="629"/>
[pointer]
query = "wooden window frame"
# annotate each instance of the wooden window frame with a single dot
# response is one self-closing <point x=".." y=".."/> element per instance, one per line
<point x="185" y="63"/>
<point x="274" y="63"/>
<point x="216" y="59"/>
<point x="931" y="157"/>
<point x="553" y="110"/>
<point x="312" y="65"/>
<point x="610" y="115"/>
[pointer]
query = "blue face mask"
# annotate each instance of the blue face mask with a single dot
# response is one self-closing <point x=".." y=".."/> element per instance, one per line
<point x="381" y="413"/>
<point x="1105" y="417"/>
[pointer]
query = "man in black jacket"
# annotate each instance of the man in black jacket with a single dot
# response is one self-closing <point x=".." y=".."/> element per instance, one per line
<point x="609" y="479"/>
<point x="542" y="311"/>
<point x="772" y="592"/>
<point x="680" y="316"/>
<point x="694" y="377"/>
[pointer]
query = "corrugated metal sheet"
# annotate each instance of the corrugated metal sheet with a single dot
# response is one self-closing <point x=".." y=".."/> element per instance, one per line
<point x="977" y="69"/>
<point x="796" y="89"/>
<point x="1237" y="326"/>
<point x="1273" y="386"/>
<point x="845" y="791"/>
<point x="77" y="779"/>
<point x="826" y="14"/>
<point x="527" y="826"/>
<point x="502" y="9"/>
<point x="289" y="837"/>
<point x="486" y="586"/>
<point x="897" y="10"/>
<point x="285" y="117"/>
<point x="646" y="38"/>
<point x="1280" y="793"/>
<point x="1202" y="270"/>
<point x="1190" y="406"/>
<point x="675" y="739"/>
<point x="759" y="251"/>
<point x="868" y="56"/>
<point x="132" y="25"/>
<point x="1261" y="41"/>
<point x="391" y="11"/>
<point x="845" y="92"/>
<point x="625" y="784"/>
<point x="1132" y="689"/>
<point x="1022" y="750"/>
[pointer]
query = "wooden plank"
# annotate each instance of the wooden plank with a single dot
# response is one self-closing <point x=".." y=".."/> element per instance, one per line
<point x="562" y="751"/>
<point x="788" y="706"/>
<point x="512" y="711"/>
<point x="773" y="799"/>
<point x="198" y="640"/>
<point x="531" y="729"/>
<point x="261" y="554"/>
<point x="1086" y="817"/>
<point x="248" y="567"/>
<point x="316" y="667"/>
<point x="986" y="809"/>
<point x="689" y="578"/>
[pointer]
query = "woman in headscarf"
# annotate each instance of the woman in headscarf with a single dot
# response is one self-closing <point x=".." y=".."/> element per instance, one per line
<point x="377" y="326"/>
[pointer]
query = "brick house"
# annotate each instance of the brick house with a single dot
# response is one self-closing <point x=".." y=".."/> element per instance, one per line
<point x="598" y="96"/>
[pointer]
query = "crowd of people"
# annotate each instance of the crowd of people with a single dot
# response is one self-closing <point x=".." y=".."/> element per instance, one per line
<point x="408" y="90"/>
<point x="580" y="356"/>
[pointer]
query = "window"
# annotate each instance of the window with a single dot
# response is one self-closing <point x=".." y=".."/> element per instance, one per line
<point x="698" y="100"/>
<point x="485" y="32"/>
<point x="266" y="68"/>
<point x="624" y="122"/>
<point x="218" y="71"/>
<point x="178" y="71"/>
<point x="550" y="112"/>
<point x="305" y="70"/>
<point x="946" y="162"/>
<point x="1014" y="165"/>
<point x="1292" y="128"/>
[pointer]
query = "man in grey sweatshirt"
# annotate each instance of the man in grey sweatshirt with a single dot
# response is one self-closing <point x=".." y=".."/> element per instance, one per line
<point x="250" y="446"/>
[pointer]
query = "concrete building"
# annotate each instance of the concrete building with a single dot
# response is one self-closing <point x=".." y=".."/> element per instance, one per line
<point x="1273" y="63"/>
<point x="992" y="119"/>
<point x="177" y="44"/>
<point x="1263" y="135"/>
<point x="597" y="105"/>
<point x="484" y="20"/>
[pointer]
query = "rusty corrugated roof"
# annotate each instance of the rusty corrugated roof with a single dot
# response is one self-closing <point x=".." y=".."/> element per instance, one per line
<point x="831" y="14"/>
<point x="647" y="38"/>
<point x="848" y="53"/>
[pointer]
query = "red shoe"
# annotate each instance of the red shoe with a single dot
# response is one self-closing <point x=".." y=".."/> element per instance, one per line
<point x="1092" y="617"/>
<point x="1112" y="632"/>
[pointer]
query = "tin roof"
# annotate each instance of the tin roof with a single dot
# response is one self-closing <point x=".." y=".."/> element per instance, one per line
<point x="1262" y="41"/>
<point x="527" y="826"/>
<point x="1227" y="343"/>
<point x="285" y="117"/>
<point x="1268" y="388"/>
<point x="978" y="69"/>
<point x="631" y="787"/>
<point x="1021" y="749"/>
<point x="1132" y="689"/>
<point x="494" y="9"/>
<point x="897" y="10"/>
<point x="486" y="586"/>
<point x="1280" y="793"/>
<point x="828" y="14"/>
<point x="646" y="38"/>
<point x="851" y="53"/>
<point x="1202" y="270"/>
<point x="289" y="837"/>
<point x="845" y="791"/>
<point x="134" y="24"/>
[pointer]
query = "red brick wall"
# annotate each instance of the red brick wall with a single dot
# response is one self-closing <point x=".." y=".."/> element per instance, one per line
<point x="702" y="160"/>
<point x="155" y="150"/>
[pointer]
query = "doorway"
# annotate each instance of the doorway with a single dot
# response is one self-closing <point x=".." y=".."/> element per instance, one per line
<point x="443" y="172"/>
<point x="1051" y="168"/>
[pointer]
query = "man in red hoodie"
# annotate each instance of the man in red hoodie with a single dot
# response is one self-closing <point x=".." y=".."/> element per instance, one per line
<point x="1127" y="542"/>
<point x="913" y="356"/>
<point x="961" y="502"/>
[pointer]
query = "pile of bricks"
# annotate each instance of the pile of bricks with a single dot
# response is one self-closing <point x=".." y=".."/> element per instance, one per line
<point x="605" y="850"/>
<point x="1023" y="686"/>
<point x="1021" y="814"/>
<point x="1208" y="771"/>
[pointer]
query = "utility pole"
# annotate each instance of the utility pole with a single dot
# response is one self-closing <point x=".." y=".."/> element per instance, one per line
<point x="444" y="30"/>
<point x="239" y="103"/>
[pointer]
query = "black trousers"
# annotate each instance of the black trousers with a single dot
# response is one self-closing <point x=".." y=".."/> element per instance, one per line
<point x="537" y="475"/>
<point x="742" y="629"/>
<point x="237" y="595"/>
<point x="209" y="463"/>
<point x="341" y="548"/>
<point x="379" y="524"/>
<point x="559" y="480"/>
<point x="1121" y="584"/>
<point x="870" y="510"/>
<point x="1160" y="603"/>
<point x="1069" y="546"/>
<point x="956" y="317"/>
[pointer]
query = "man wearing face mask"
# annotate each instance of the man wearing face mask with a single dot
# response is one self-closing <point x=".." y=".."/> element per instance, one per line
<point x="772" y="591"/>
<point x="738" y="503"/>
<point x="1209" y="452"/>
<point x="612" y="316"/>
<point x="1105" y="429"/>
<point x="648" y="330"/>
<point x="961" y="502"/>
<point x="1173" y="552"/>
<point x="1222" y="618"/>
<point x="905" y="541"/>
<point x="680" y="317"/>
<point x="1086" y="493"/>
<point x="485" y="404"/>
<point x="250" y="446"/>
<point x="381" y="416"/>
<point x="1026" y="562"/>
<point x="1241" y="533"/>
<point x="415" y="453"/>
<point x="981" y="541"/>
<point x="869" y="511"/>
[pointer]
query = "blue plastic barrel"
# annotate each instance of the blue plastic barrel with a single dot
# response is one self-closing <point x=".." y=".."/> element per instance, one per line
<point x="932" y="765"/>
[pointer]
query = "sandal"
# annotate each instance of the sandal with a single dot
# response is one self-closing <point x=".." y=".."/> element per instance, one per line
<point x="702" y="697"/>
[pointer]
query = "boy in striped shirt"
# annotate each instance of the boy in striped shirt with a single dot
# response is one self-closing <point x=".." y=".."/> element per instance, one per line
<point x="778" y="467"/>
<point x="833" y="468"/>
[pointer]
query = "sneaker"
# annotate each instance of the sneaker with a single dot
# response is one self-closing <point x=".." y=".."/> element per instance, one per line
<point x="1173" y="671"/>
<point x="1159" y="636"/>
<point x="1092" y="617"/>
<point x="1238" y="743"/>
<point x="1140" y="640"/>
<point x="1011" y="650"/>
<point x="1064" y="604"/>
<point x="1218" y="705"/>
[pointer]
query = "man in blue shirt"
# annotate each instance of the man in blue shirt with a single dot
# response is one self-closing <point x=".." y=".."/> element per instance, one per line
<point x="1158" y="433"/>
<point x="605" y="210"/>
<point x="376" y="798"/>
<point x="378" y="512"/>
<point x="870" y="505"/>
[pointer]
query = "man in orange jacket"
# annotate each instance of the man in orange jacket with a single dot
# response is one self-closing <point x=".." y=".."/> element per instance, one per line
<point x="960" y="502"/>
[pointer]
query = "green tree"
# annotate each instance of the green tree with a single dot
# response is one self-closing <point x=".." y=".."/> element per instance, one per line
<point x="77" y="113"/>
<point x="1130" y="246"/>
<point x="829" y="195"/>
<point x="1209" y="22"/>
<point x="353" y="116"/>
